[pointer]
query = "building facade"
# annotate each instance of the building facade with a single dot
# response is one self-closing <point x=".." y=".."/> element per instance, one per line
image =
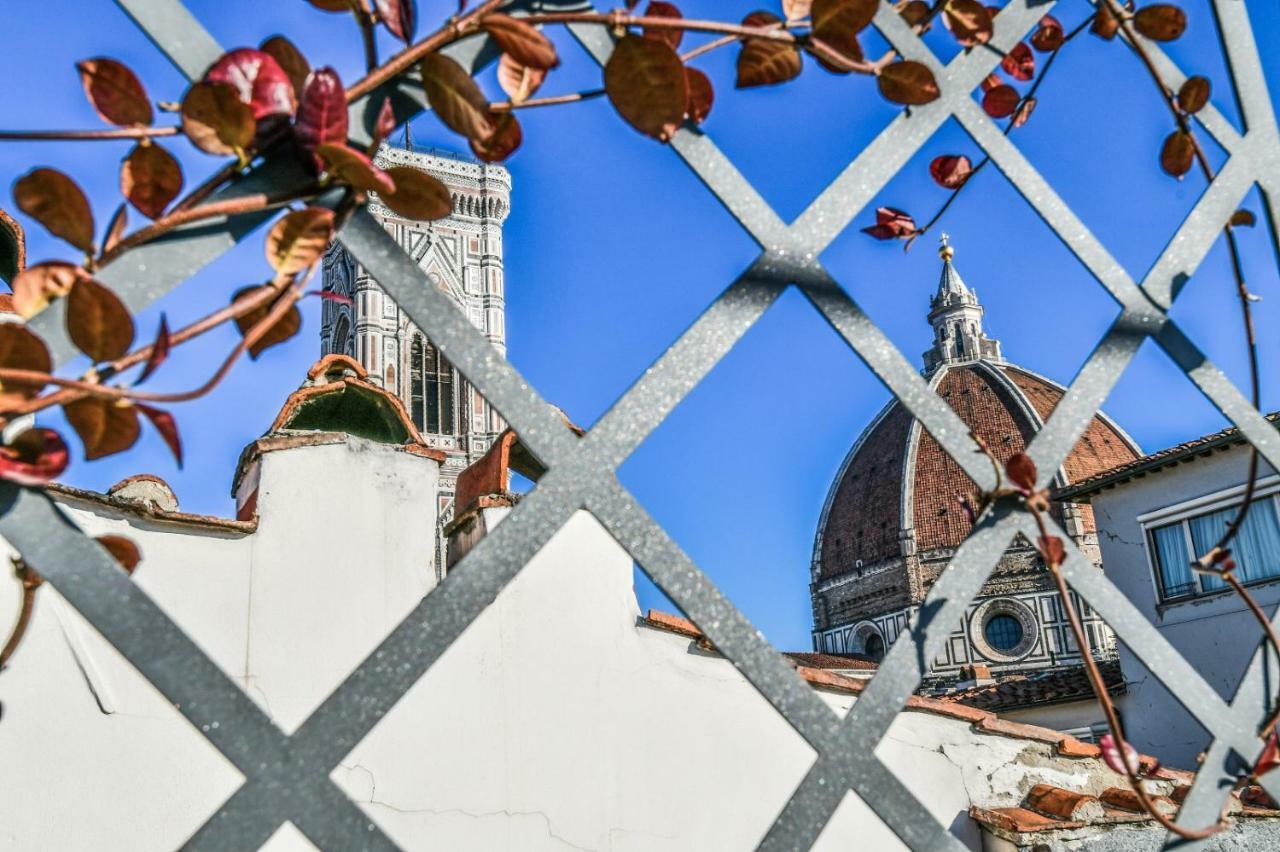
<point x="1155" y="516"/>
<point x="895" y="514"/>
<point x="462" y="255"/>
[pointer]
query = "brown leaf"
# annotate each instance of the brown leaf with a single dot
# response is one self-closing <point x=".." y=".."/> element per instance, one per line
<point x="115" y="228"/>
<point x="283" y="329"/>
<point x="837" y="23"/>
<point x="951" y="171"/>
<point x="1022" y="472"/>
<point x="298" y="239"/>
<point x="37" y="286"/>
<point x="21" y="349"/>
<point x="289" y="58"/>
<point x="991" y="81"/>
<point x="891" y="224"/>
<point x="1105" y="24"/>
<point x="33" y="457"/>
<point x="55" y="201"/>
<point x="115" y="92"/>
<point x="1243" y="218"/>
<point x="701" y="95"/>
<point x="913" y="11"/>
<point x="969" y="21"/>
<point x="909" y="83"/>
<point x="1049" y="36"/>
<point x="521" y="41"/>
<point x="1193" y="95"/>
<point x="1023" y="113"/>
<point x="645" y="82"/>
<point x="1019" y="63"/>
<point x="400" y="17"/>
<point x="455" y="97"/>
<point x="418" y="195"/>
<point x="122" y="550"/>
<point x="354" y="169"/>
<point x="502" y="142"/>
<point x="259" y="81"/>
<point x="766" y="63"/>
<point x="1052" y="550"/>
<point x="168" y="427"/>
<point x="659" y="9"/>
<point x="518" y="81"/>
<point x="1270" y="757"/>
<point x="322" y="111"/>
<point x="150" y="178"/>
<point x="1178" y="153"/>
<point x="216" y="120"/>
<point x="332" y="5"/>
<point x="98" y="323"/>
<point x="105" y="426"/>
<point x="1160" y="22"/>
<point x="159" y="351"/>
<point x="1001" y="101"/>
<point x="798" y="9"/>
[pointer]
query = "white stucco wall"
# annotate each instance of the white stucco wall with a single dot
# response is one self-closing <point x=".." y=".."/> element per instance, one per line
<point x="556" y="721"/>
<point x="1216" y="634"/>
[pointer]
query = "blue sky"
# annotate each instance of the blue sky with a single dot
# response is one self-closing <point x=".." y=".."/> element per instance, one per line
<point x="614" y="247"/>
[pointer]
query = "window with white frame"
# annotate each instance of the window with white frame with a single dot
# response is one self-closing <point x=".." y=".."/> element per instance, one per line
<point x="1178" y="535"/>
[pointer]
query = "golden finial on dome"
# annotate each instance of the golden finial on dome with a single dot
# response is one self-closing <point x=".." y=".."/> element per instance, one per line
<point x="945" y="251"/>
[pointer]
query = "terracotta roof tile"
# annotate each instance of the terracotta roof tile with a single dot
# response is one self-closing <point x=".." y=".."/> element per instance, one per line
<point x="1064" y="804"/>
<point x="1049" y="687"/>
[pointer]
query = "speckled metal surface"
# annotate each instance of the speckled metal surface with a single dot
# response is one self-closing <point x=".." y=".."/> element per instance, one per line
<point x="287" y="776"/>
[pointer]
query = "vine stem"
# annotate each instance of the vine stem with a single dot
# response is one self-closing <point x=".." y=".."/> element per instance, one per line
<point x="82" y="135"/>
<point x="30" y="583"/>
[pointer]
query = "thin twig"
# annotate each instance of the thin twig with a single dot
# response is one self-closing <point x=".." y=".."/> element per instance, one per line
<point x="507" y="106"/>
<point x="84" y="135"/>
<point x="30" y="583"/>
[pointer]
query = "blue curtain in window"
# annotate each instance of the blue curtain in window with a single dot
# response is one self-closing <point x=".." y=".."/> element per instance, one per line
<point x="1257" y="546"/>
<point x="1175" y="564"/>
<point x="1205" y="532"/>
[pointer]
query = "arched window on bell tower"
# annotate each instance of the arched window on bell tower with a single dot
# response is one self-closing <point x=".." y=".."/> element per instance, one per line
<point x="415" y="380"/>
<point x="439" y="391"/>
<point x="341" y="331"/>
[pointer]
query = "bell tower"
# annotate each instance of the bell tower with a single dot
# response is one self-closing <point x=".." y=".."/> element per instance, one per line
<point x="956" y="316"/>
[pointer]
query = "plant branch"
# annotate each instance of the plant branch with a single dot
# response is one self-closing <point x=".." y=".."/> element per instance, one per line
<point x="112" y="133"/>
<point x="507" y="106"/>
<point x="30" y="583"/>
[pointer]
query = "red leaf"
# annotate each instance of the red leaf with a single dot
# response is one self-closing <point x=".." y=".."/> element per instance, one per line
<point x="991" y="81"/>
<point x="1193" y="95"/>
<point x="701" y="95"/>
<point x="1021" y="471"/>
<point x="386" y="123"/>
<point x="57" y="202"/>
<point x="279" y="331"/>
<point x="518" y="81"/>
<point x="258" y="79"/>
<point x="891" y="224"/>
<point x="908" y="82"/>
<point x="913" y="12"/>
<point x="355" y="169"/>
<point x="167" y="427"/>
<point x="951" y="171"/>
<point x="322" y="111"/>
<point x="1001" y="101"/>
<point x="1105" y="24"/>
<point x="1049" y="36"/>
<point x="645" y="82"/>
<point x="659" y="9"/>
<point x="1160" y="22"/>
<point x="1270" y="757"/>
<point x="1178" y="153"/>
<point x="1243" y="218"/>
<point x="298" y="239"/>
<point x="115" y="92"/>
<point x="331" y="296"/>
<point x="1111" y="754"/>
<point x="115" y="228"/>
<point x="454" y="97"/>
<point x="150" y="178"/>
<point x="766" y="63"/>
<point x="836" y="23"/>
<point x="1052" y="550"/>
<point x="21" y="349"/>
<point x="159" y="351"/>
<point x="1019" y="63"/>
<point x="502" y="142"/>
<point x="400" y="17"/>
<point x="34" y="457"/>
<point x="418" y="195"/>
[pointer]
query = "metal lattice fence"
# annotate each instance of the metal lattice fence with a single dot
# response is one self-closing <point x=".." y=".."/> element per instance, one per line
<point x="287" y="777"/>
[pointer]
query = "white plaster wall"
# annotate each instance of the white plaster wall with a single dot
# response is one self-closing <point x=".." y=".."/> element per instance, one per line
<point x="555" y="722"/>
<point x="1216" y="634"/>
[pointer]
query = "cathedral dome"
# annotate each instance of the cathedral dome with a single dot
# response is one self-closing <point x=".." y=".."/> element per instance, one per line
<point x="895" y="511"/>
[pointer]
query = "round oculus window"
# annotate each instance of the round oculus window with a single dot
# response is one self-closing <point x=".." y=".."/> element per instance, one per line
<point x="1003" y="632"/>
